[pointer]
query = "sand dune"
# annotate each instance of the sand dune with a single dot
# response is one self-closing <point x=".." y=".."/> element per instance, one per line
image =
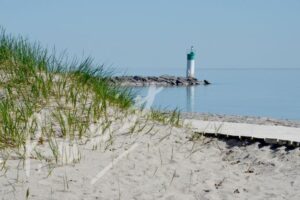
<point x="163" y="164"/>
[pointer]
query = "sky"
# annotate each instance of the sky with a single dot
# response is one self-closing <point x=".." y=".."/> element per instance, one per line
<point x="156" y="34"/>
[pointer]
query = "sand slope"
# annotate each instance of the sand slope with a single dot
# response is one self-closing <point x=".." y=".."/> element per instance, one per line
<point x="163" y="165"/>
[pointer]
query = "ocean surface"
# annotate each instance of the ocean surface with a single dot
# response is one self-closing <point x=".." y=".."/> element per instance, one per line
<point x="271" y="93"/>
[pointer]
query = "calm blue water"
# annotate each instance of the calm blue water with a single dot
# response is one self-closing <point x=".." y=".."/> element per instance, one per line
<point x="253" y="92"/>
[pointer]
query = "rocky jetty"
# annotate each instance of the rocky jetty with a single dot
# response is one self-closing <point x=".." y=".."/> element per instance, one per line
<point x="164" y="80"/>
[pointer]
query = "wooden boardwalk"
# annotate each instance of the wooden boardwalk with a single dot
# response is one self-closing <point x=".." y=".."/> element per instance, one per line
<point x="270" y="134"/>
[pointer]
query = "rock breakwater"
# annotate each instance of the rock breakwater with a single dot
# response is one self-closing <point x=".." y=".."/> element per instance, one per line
<point x="164" y="80"/>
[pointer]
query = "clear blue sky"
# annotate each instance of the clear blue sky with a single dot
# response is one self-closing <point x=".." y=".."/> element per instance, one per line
<point x="156" y="33"/>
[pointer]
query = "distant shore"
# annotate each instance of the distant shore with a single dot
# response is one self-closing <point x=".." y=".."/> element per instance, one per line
<point x="164" y="80"/>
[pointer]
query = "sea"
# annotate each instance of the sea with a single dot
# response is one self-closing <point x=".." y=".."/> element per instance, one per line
<point x="258" y="92"/>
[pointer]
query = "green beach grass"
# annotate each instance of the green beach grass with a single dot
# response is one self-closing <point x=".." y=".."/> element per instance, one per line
<point x="32" y="79"/>
<point x="74" y="94"/>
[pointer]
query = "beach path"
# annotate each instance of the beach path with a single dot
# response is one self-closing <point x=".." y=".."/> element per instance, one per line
<point x="267" y="132"/>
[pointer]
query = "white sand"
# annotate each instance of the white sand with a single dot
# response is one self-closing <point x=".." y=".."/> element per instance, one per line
<point x="165" y="165"/>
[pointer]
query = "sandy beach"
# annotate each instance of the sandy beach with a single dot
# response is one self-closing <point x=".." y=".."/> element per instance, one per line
<point x="165" y="163"/>
<point x="68" y="132"/>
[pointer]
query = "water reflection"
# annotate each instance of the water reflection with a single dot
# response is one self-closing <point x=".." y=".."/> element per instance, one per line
<point x="190" y="98"/>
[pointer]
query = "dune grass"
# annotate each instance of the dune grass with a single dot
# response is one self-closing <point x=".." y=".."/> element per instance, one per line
<point x="50" y="100"/>
<point x="33" y="79"/>
<point x="166" y="117"/>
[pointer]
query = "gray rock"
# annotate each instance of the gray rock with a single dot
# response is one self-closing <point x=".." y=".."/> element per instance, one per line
<point x="206" y="82"/>
<point x="164" y="80"/>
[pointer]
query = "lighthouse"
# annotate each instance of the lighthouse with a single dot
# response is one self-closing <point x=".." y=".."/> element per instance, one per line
<point x="190" y="68"/>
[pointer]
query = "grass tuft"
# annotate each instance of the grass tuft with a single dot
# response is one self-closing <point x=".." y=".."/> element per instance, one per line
<point x="73" y="93"/>
<point x="166" y="117"/>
